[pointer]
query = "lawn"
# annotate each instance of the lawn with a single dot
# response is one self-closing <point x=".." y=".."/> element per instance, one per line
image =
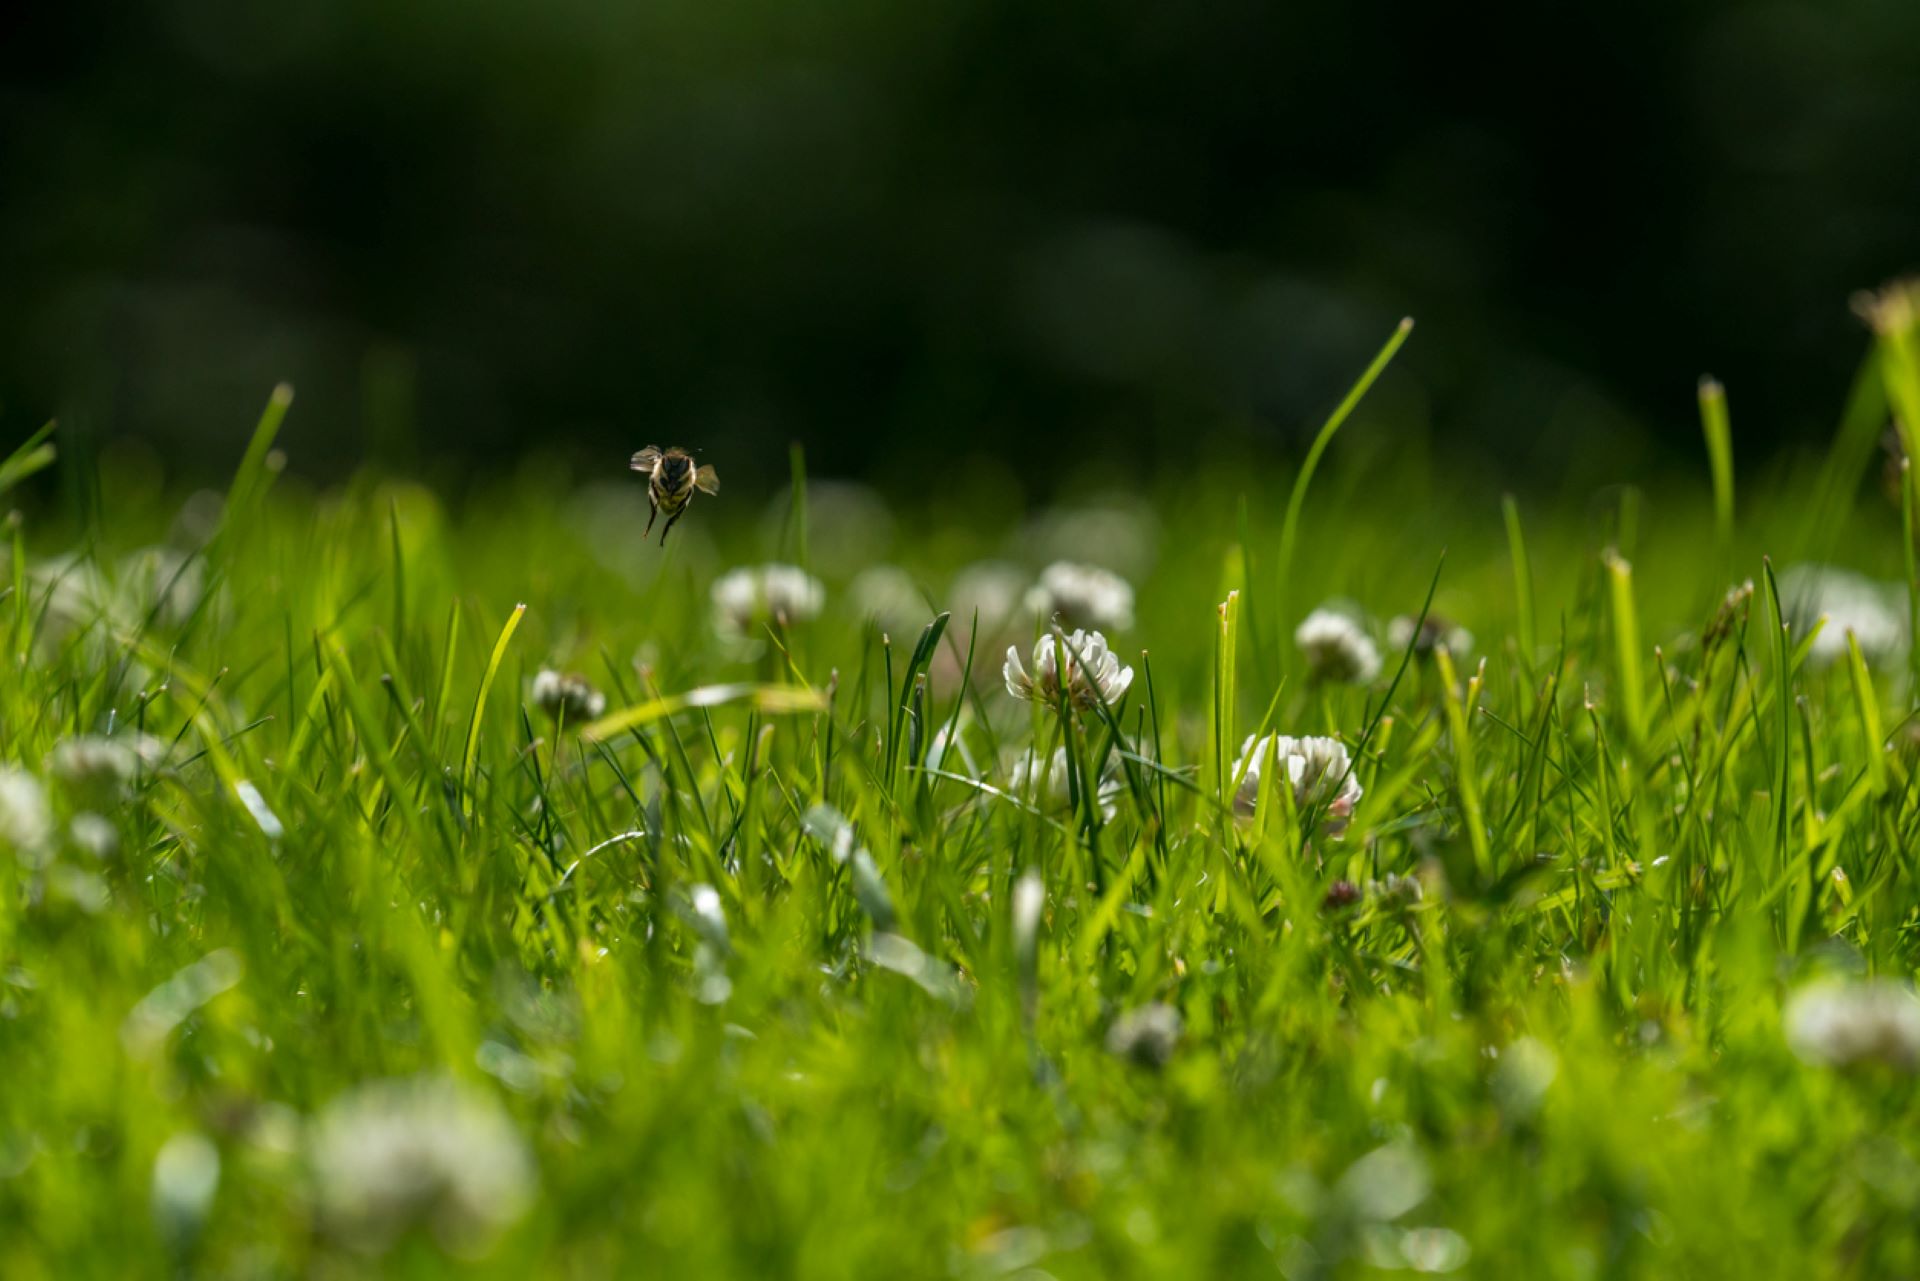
<point x="415" y="887"/>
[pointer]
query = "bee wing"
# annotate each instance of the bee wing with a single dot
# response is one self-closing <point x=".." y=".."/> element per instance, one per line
<point x="707" y="480"/>
<point x="646" y="459"/>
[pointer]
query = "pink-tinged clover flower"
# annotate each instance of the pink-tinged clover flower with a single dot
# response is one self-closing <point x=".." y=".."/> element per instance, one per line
<point x="1318" y="769"/>
<point x="1079" y="663"/>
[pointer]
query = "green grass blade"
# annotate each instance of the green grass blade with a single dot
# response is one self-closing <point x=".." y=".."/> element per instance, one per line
<point x="468" y="757"/>
<point x="1296" y="501"/>
<point x="1716" y="426"/>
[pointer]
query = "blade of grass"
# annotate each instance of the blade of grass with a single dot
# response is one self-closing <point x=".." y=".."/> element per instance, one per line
<point x="1714" y="423"/>
<point x="1290" y="526"/>
<point x="480" y="703"/>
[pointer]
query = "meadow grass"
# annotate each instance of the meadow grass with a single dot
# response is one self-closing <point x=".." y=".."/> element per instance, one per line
<point x="327" y="948"/>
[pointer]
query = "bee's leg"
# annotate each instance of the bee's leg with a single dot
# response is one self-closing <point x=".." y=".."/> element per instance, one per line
<point x="653" y="510"/>
<point x="671" y="522"/>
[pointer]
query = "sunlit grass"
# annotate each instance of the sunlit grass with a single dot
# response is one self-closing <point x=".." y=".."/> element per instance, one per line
<point x="326" y="945"/>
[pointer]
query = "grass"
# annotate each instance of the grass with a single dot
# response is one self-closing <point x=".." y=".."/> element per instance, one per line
<point x="341" y="956"/>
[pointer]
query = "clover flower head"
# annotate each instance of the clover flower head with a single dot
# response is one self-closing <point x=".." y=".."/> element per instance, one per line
<point x="848" y="524"/>
<point x="1318" y="769"/>
<point x="1083" y="596"/>
<point x="1434" y="631"/>
<point x="427" y="1151"/>
<point x="1840" y="1024"/>
<point x="1146" y="1037"/>
<point x="888" y="595"/>
<point x="1843" y="602"/>
<point x="745" y="599"/>
<point x="163" y="581"/>
<point x="1336" y="648"/>
<point x="95" y="764"/>
<point x="1079" y="663"/>
<point x="94" y="835"/>
<point x="990" y="590"/>
<point x="565" y="697"/>
<point x="26" y="819"/>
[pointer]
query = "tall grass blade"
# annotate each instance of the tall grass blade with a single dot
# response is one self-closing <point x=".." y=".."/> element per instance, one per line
<point x="1290" y="526"/>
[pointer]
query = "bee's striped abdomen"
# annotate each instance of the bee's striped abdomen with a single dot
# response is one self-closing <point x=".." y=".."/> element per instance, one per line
<point x="673" y="482"/>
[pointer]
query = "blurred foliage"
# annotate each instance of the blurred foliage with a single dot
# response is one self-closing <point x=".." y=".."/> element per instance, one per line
<point x="903" y="233"/>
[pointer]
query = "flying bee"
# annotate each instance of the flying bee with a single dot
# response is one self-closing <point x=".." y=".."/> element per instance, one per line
<point x="671" y="480"/>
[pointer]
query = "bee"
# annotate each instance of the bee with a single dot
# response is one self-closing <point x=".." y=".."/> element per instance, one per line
<point x="671" y="480"/>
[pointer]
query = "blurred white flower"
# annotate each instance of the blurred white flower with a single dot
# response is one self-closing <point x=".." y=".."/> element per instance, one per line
<point x="1319" y="770"/>
<point x="186" y="1174"/>
<point x="1434" y="1249"/>
<point x="991" y="589"/>
<point x="1147" y="1036"/>
<point x="1120" y="531"/>
<point x="888" y="595"/>
<point x="1050" y="793"/>
<point x="1084" y="667"/>
<point x="26" y="820"/>
<point x="1029" y="905"/>
<point x="708" y="917"/>
<point x="76" y="595"/>
<point x="94" y="835"/>
<point x="94" y="764"/>
<point x="848" y="525"/>
<point x="1336" y="648"/>
<point x="1435" y="631"/>
<point x="1082" y="596"/>
<point x="561" y="696"/>
<point x="162" y="581"/>
<point x="1840" y="1024"/>
<point x="428" y="1151"/>
<point x="747" y="598"/>
<point x="1843" y="601"/>
<point x="1386" y="1183"/>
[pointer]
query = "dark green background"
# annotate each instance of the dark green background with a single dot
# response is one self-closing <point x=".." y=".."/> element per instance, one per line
<point x="900" y="232"/>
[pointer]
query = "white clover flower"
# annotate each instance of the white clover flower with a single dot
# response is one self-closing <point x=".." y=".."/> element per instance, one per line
<point x="1083" y="666"/>
<point x="95" y="764"/>
<point x="992" y="590"/>
<point x="1319" y="770"/>
<point x="94" y="835"/>
<point x="164" y="581"/>
<point x="1839" y="1024"/>
<point x="888" y="595"/>
<point x="848" y="524"/>
<point x="1082" y="596"/>
<point x="1050" y="791"/>
<point x="77" y="595"/>
<point x="428" y="1151"/>
<point x="1435" y="631"/>
<point x="186" y="1173"/>
<point x="562" y="696"/>
<point x="1337" y="649"/>
<point x="26" y="820"/>
<point x="746" y="599"/>
<point x="1842" y="602"/>
<point x="1147" y="1036"/>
